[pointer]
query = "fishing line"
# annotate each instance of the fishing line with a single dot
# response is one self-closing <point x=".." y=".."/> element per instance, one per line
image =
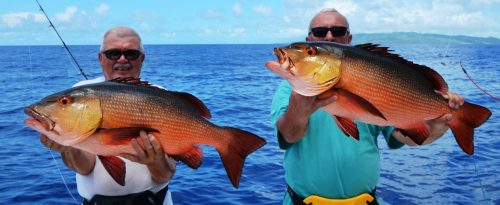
<point x="62" y="177"/>
<point x="64" y="44"/>
<point x="480" y="181"/>
<point x="474" y="159"/>
<point x="80" y="72"/>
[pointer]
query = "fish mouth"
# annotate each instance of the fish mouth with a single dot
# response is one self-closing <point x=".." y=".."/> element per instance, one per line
<point x="47" y="123"/>
<point x="281" y="54"/>
<point x="282" y="57"/>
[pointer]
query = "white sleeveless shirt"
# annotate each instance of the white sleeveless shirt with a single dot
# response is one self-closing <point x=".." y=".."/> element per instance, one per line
<point x="137" y="179"/>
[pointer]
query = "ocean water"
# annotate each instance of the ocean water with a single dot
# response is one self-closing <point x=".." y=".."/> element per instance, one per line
<point x="234" y="84"/>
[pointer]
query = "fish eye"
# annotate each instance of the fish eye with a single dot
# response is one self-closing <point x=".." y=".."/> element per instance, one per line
<point x="65" y="100"/>
<point x="310" y="51"/>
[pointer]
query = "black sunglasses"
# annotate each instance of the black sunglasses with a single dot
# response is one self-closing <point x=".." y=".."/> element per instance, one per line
<point x="115" y="54"/>
<point x="337" y="31"/>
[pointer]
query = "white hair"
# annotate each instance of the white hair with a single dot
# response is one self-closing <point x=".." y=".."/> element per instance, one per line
<point x="122" y="31"/>
<point x="328" y="10"/>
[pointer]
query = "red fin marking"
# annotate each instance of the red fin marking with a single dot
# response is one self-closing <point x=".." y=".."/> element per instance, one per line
<point x="193" y="157"/>
<point x="468" y="117"/>
<point x="115" y="167"/>
<point x="240" y="144"/>
<point x="357" y="104"/>
<point x="347" y="126"/>
<point x="134" y="81"/>
<point x="417" y="132"/>
<point x="120" y="136"/>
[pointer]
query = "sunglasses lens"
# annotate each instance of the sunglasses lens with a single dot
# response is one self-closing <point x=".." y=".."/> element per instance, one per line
<point x="115" y="54"/>
<point x="337" y="31"/>
<point x="319" y="31"/>
<point x="132" y="54"/>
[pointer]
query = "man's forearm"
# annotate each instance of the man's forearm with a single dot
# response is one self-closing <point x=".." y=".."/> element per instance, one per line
<point x="78" y="160"/>
<point x="292" y="128"/>
<point x="162" y="172"/>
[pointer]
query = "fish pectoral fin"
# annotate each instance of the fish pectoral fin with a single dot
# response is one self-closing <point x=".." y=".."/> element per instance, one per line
<point x="347" y="126"/>
<point x="357" y="104"/>
<point x="417" y="132"/>
<point x="120" y="136"/>
<point x="115" y="167"/>
<point x="192" y="157"/>
<point x="198" y="104"/>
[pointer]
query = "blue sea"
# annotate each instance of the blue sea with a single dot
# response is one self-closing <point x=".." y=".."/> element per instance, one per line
<point x="234" y="84"/>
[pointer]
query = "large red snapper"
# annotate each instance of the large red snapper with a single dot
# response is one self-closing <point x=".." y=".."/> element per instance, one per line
<point x="102" y="118"/>
<point x="376" y="87"/>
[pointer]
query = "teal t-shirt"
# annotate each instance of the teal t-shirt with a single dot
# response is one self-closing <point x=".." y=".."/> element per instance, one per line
<point x="325" y="162"/>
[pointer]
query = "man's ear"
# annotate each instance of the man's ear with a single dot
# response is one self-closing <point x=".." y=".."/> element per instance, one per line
<point x="349" y="39"/>
<point x="143" y="57"/>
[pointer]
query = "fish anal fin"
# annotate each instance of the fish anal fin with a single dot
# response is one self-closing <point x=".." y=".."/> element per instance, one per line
<point x="357" y="104"/>
<point x="115" y="167"/>
<point x="347" y="126"/>
<point x="200" y="106"/>
<point x="417" y="132"/>
<point x="120" y="136"/>
<point x="193" y="157"/>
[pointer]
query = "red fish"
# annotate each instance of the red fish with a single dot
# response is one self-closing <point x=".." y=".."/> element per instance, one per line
<point x="376" y="87"/>
<point x="102" y="118"/>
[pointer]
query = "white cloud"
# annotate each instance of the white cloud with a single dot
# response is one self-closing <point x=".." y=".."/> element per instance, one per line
<point x="170" y="34"/>
<point x="237" y="32"/>
<point x="289" y="32"/>
<point x="16" y="19"/>
<point x="263" y="10"/>
<point x="102" y="9"/>
<point x="237" y="9"/>
<point x="210" y="14"/>
<point x="347" y="8"/>
<point x="286" y="19"/>
<point x="67" y="14"/>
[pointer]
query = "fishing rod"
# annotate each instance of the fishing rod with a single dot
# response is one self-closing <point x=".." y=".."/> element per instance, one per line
<point x="477" y="85"/>
<point x="64" y="44"/>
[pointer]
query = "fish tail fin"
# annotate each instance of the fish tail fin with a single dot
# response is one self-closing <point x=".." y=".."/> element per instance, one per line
<point x="468" y="117"/>
<point x="233" y="154"/>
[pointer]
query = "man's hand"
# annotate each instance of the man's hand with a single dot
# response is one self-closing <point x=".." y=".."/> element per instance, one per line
<point x="80" y="161"/>
<point x="439" y="126"/>
<point x="150" y="153"/>
<point x="293" y="124"/>
<point x="47" y="142"/>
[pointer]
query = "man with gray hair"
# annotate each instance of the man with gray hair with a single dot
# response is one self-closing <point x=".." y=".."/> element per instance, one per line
<point x="148" y="173"/>
<point x="322" y="166"/>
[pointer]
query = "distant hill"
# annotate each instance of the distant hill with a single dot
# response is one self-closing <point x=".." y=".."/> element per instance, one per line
<point x="412" y="37"/>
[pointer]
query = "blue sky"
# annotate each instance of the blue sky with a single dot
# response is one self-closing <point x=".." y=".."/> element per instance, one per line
<point x="236" y="21"/>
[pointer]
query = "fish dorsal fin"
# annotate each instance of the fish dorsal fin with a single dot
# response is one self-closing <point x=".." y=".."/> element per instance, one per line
<point x="198" y="104"/>
<point x="134" y="81"/>
<point x="436" y="80"/>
